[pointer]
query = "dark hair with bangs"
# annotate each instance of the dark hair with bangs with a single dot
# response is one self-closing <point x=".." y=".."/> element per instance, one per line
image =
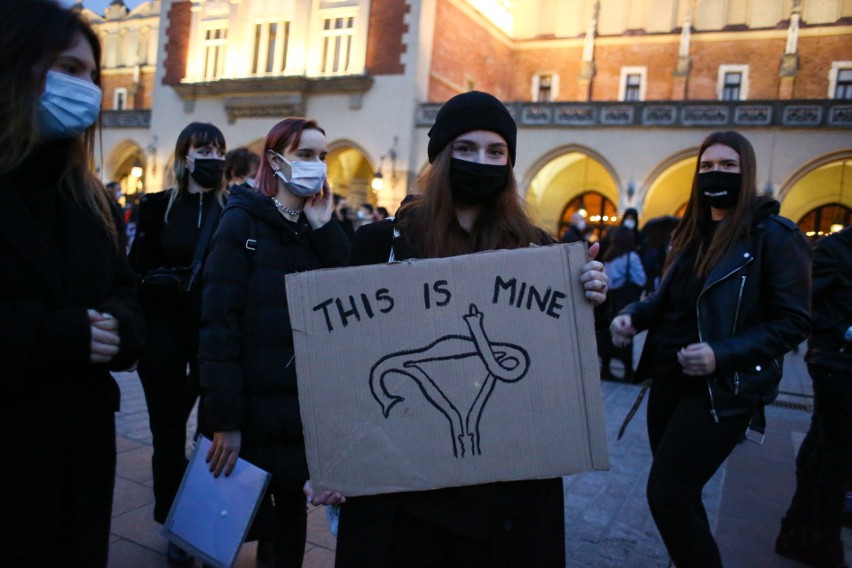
<point x="32" y="35"/>
<point x="195" y="135"/>
<point x="283" y="137"/>
<point x="502" y="223"/>
<point x="697" y="219"/>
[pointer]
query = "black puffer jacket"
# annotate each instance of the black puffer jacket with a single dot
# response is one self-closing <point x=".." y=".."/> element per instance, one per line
<point x="754" y="307"/>
<point x="248" y="371"/>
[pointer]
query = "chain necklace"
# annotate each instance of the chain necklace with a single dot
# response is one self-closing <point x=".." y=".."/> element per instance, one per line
<point x="284" y="209"/>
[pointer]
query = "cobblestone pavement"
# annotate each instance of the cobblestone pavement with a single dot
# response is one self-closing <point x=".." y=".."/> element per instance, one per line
<point x="606" y="516"/>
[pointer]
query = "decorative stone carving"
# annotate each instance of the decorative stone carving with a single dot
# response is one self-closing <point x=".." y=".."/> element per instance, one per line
<point x="659" y="115"/>
<point x="538" y="114"/>
<point x="575" y="115"/>
<point x="840" y="115"/>
<point x="704" y="115"/>
<point x="621" y="115"/>
<point x="753" y="115"/>
<point x="802" y="115"/>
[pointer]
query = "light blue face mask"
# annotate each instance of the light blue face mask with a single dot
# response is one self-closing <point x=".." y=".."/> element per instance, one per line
<point x="67" y="107"/>
<point x="306" y="178"/>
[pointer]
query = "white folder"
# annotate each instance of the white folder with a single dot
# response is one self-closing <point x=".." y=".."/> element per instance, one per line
<point x="211" y="516"/>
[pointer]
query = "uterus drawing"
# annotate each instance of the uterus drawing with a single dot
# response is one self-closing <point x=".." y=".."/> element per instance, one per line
<point x="442" y="363"/>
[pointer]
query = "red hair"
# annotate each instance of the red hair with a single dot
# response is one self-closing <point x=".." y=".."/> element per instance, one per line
<point x="283" y="137"/>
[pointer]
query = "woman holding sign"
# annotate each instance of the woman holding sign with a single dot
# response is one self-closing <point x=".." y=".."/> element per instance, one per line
<point x="248" y="372"/>
<point x="468" y="203"/>
<point x="734" y="299"/>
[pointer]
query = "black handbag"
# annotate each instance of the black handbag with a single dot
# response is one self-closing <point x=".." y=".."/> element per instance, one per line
<point x="168" y="284"/>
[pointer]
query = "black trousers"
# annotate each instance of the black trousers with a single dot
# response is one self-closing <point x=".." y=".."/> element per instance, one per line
<point x="57" y="492"/>
<point x="688" y="446"/>
<point x="823" y="465"/>
<point x="289" y="521"/>
<point x="170" y="392"/>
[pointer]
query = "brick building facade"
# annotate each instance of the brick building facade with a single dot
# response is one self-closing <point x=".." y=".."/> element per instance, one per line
<point x="612" y="97"/>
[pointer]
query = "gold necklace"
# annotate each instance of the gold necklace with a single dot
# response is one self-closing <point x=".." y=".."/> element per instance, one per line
<point x="284" y="209"/>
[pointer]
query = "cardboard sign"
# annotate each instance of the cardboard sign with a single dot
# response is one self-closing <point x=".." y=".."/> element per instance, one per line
<point x="447" y="372"/>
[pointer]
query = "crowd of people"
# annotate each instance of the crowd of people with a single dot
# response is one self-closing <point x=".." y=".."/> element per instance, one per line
<point x="199" y="307"/>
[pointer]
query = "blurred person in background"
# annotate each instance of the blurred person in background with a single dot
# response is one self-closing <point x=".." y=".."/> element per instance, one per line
<point x="811" y="529"/>
<point x="626" y="281"/>
<point x="241" y="166"/>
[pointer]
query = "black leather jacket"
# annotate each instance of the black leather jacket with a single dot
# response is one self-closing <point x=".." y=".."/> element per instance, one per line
<point x="754" y="307"/>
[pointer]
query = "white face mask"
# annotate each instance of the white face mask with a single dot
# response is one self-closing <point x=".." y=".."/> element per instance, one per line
<point x="581" y="225"/>
<point x="306" y="178"/>
<point x="629" y="223"/>
<point x="68" y="106"/>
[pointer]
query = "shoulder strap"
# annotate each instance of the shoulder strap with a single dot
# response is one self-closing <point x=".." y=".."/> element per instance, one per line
<point x="251" y="242"/>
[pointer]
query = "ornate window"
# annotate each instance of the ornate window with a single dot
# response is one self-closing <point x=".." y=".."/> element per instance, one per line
<point x="271" y="43"/>
<point x="824" y="220"/>
<point x="631" y="85"/>
<point x="599" y="212"/>
<point x="119" y="99"/>
<point x="732" y="83"/>
<point x="337" y="35"/>
<point x="840" y="80"/>
<point x="214" y="48"/>
<point x="545" y="87"/>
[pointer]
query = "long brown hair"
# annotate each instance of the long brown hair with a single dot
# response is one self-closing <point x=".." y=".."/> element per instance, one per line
<point x="502" y="224"/>
<point x="194" y="134"/>
<point x="696" y="222"/>
<point x="32" y="35"/>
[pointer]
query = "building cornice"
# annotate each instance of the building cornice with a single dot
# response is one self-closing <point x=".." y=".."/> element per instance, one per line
<point x="269" y="85"/>
<point x="127" y="70"/>
<point x="674" y="38"/>
<point x="833" y="114"/>
<point x="263" y="97"/>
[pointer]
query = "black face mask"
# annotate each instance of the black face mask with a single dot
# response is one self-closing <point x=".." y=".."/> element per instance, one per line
<point x="475" y="184"/>
<point x="208" y="172"/>
<point x="720" y="189"/>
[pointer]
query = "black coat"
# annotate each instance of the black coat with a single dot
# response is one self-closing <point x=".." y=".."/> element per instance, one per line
<point x="832" y="304"/>
<point x="521" y="521"/>
<point x="53" y="270"/>
<point x="248" y="371"/>
<point x="753" y="308"/>
<point x="45" y="292"/>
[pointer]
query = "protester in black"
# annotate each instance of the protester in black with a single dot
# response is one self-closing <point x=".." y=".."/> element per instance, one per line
<point x="734" y="299"/>
<point x="68" y="308"/>
<point x="810" y="531"/>
<point x="170" y="225"/>
<point x="248" y="367"/>
<point x="468" y="203"/>
<point x="626" y="280"/>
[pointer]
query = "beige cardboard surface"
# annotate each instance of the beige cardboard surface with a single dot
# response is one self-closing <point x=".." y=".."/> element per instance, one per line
<point x="448" y="372"/>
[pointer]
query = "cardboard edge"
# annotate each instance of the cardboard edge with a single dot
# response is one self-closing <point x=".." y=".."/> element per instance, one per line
<point x="588" y="356"/>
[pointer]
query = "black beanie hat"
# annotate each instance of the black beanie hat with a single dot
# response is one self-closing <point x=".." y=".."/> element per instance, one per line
<point x="469" y="111"/>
